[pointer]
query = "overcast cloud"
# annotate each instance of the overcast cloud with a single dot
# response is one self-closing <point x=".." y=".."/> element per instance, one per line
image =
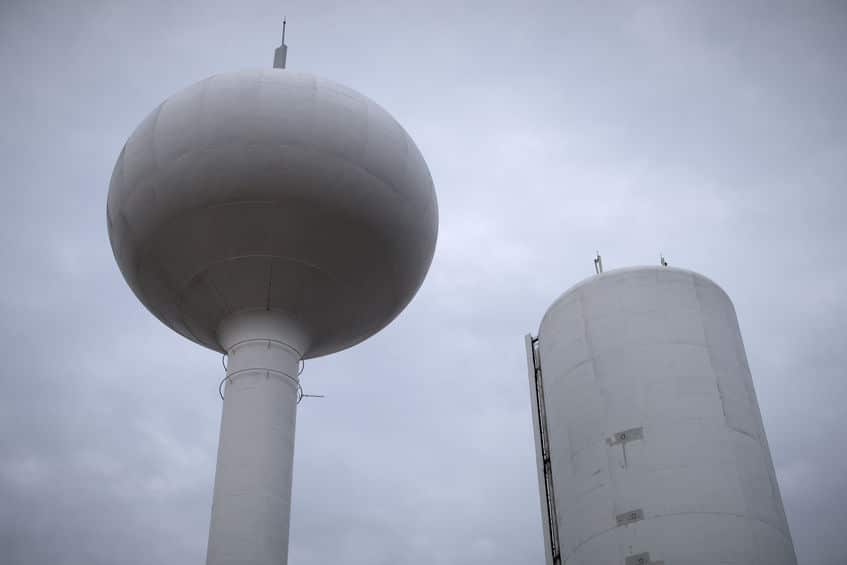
<point x="714" y="132"/>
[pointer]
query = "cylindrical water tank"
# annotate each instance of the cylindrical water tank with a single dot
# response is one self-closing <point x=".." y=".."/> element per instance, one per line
<point x="650" y="439"/>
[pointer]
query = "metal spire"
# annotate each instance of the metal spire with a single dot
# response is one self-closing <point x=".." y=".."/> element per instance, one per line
<point x="281" y="51"/>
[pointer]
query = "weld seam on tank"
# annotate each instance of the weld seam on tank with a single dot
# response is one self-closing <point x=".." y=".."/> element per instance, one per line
<point x="592" y="359"/>
<point x="647" y="518"/>
<point x="590" y="538"/>
<point x="258" y="256"/>
<point x="734" y="515"/>
<point x="190" y="280"/>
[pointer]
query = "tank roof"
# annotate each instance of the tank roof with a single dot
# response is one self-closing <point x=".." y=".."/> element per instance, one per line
<point x="624" y="271"/>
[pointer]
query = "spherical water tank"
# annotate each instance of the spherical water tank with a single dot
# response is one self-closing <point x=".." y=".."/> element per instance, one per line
<point x="278" y="191"/>
<point x="656" y="447"/>
<point x="274" y="216"/>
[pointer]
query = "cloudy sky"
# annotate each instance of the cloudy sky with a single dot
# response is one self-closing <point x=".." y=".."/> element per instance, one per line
<point x="713" y="132"/>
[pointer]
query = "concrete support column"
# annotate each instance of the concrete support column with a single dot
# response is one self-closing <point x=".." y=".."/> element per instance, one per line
<point x="252" y="498"/>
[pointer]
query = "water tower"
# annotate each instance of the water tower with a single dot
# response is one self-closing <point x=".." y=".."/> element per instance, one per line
<point x="273" y="216"/>
<point x="649" y="440"/>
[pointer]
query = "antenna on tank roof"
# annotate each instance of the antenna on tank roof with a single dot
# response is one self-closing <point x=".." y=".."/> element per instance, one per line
<point x="281" y="51"/>
<point x="598" y="264"/>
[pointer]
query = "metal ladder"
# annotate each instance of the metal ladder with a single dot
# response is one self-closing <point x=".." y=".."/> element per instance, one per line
<point x="542" y="449"/>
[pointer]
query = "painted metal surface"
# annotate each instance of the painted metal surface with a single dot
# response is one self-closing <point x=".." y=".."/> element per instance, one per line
<point x="657" y="447"/>
<point x="280" y="54"/>
<point x="252" y="498"/>
<point x="273" y="189"/>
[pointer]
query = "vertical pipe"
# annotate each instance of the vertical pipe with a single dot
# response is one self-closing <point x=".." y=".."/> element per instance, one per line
<point x="252" y="497"/>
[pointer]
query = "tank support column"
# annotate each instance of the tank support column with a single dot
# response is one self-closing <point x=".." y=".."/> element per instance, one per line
<point x="252" y="498"/>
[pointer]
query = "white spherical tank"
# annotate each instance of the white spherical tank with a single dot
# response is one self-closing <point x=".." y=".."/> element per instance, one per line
<point x="653" y="439"/>
<point x="273" y="190"/>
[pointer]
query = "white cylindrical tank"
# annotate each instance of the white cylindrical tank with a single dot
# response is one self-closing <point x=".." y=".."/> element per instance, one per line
<point x="650" y="441"/>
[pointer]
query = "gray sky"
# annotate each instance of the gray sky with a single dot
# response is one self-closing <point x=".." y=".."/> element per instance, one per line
<point x="714" y="132"/>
